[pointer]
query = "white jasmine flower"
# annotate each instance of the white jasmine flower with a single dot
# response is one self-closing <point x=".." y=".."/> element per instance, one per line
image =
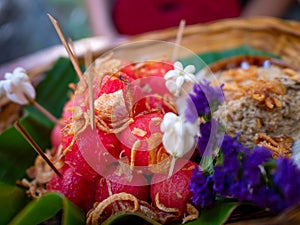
<point x="17" y="86"/>
<point x="180" y="79"/>
<point x="179" y="136"/>
<point x="3" y="85"/>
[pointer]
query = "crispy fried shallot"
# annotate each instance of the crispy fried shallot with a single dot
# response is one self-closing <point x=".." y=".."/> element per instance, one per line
<point x="94" y="214"/>
<point x="280" y="146"/>
<point x="162" y="207"/>
<point x="192" y="213"/>
<point x="41" y="173"/>
<point x="123" y="202"/>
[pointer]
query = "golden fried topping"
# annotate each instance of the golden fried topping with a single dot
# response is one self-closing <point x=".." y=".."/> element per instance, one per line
<point x="41" y="173"/>
<point x="162" y="207"/>
<point x="294" y="75"/>
<point x="240" y="74"/>
<point x="192" y="213"/>
<point x="279" y="146"/>
<point x="159" y="160"/>
<point x="95" y="213"/>
<point x="111" y="106"/>
<point x="134" y="149"/>
<point x="139" y="132"/>
<point x="248" y="82"/>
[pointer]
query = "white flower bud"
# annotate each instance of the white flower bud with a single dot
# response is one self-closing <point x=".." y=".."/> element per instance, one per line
<point x="17" y="86"/>
<point x="180" y="80"/>
<point x="179" y="136"/>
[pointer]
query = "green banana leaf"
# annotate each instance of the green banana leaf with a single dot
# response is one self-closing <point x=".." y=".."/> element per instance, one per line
<point x="216" y="214"/>
<point x="16" y="155"/>
<point x="13" y="199"/>
<point x="47" y="207"/>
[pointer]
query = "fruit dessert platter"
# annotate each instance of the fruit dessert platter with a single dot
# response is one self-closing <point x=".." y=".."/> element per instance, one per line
<point x="156" y="139"/>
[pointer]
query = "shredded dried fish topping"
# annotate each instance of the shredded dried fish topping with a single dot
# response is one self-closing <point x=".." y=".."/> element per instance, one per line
<point x="162" y="207"/>
<point x="192" y="213"/>
<point x="41" y="173"/>
<point x="124" y="202"/>
<point x="280" y="146"/>
<point x="94" y="214"/>
<point x="134" y="149"/>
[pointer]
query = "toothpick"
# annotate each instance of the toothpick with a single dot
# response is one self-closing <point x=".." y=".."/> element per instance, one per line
<point x="72" y="48"/>
<point x="178" y="40"/>
<point x="44" y="111"/>
<point x="37" y="148"/>
<point x="73" y="59"/>
<point x="172" y="165"/>
<point x="91" y="98"/>
<point x="88" y="58"/>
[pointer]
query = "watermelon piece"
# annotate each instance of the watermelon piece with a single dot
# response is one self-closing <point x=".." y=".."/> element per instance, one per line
<point x="68" y="111"/>
<point x="114" y="97"/>
<point x="150" y="104"/>
<point x="144" y="129"/>
<point x="173" y="191"/>
<point x="119" y="183"/>
<point x="56" y="136"/>
<point x="94" y="150"/>
<point x="112" y="83"/>
<point x="74" y="187"/>
<point x="147" y="69"/>
<point x="74" y="159"/>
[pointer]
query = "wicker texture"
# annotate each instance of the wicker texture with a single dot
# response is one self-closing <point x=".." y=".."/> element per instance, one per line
<point x="273" y="35"/>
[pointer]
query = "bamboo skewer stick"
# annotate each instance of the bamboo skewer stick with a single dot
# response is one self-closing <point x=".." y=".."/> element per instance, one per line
<point x="37" y="148"/>
<point x="72" y="48"/>
<point x="172" y="166"/>
<point x="44" y="111"/>
<point x="88" y="58"/>
<point x="73" y="59"/>
<point x="91" y="98"/>
<point x="178" y="39"/>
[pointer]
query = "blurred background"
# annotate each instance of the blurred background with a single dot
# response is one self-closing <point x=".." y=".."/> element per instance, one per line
<point x="25" y="27"/>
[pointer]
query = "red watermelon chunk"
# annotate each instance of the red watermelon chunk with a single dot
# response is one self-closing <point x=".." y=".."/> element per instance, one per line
<point x="74" y="187"/>
<point x="143" y="129"/>
<point x="147" y="69"/>
<point x="173" y="191"/>
<point x="119" y="183"/>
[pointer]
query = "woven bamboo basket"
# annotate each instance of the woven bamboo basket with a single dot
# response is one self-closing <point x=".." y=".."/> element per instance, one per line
<point x="277" y="36"/>
<point x="272" y="35"/>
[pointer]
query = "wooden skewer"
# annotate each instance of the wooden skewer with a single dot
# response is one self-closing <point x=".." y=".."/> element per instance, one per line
<point x="91" y="98"/>
<point x="72" y="48"/>
<point x="44" y="111"/>
<point x="88" y="58"/>
<point x="178" y="39"/>
<point x="37" y="148"/>
<point x="172" y="166"/>
<point x="73" y="59"/>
